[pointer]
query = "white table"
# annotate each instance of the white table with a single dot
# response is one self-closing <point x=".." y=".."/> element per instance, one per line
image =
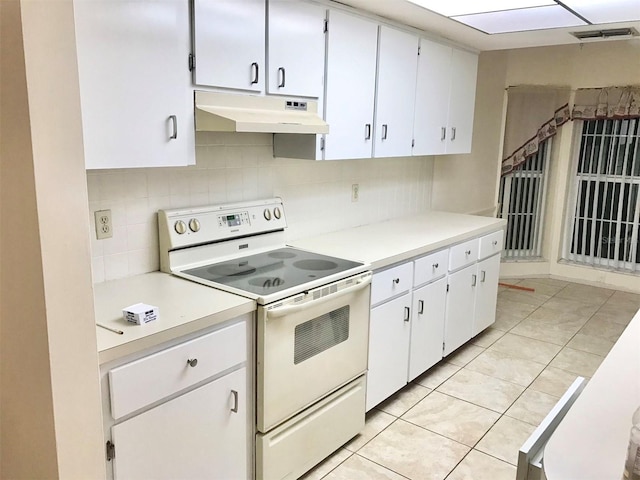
<point x="591" y="441"/>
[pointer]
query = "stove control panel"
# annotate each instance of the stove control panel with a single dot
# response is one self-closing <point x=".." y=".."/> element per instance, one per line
<point x="186" y="227"/>
<point x="234" y="219"/>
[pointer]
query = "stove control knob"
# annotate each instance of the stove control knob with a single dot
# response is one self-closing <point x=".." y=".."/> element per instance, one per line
<point x="180" y="227"/>
<point x="194" y="225"/>
<point x="277" y="213"/>
<point x="267" y="214"/>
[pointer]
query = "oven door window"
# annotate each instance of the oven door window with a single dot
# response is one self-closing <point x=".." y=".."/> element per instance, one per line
<point x="320" y="334"/>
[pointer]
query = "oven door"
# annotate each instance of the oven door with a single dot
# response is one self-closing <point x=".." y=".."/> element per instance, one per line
<point x="307" y="350"/>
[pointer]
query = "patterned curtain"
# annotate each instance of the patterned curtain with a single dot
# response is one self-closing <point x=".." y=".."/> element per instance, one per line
<point x="610" y="102"/>
<point x="534" y="114"/>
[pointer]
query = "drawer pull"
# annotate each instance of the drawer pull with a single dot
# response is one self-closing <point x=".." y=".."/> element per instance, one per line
<point x="435" y="265"/>
<point x="407" y="314"/>
<point x="234" y="409"/>
<point x="420" y="307"/>
<point x="396" y="281"/>
<point x="495" y="242"/>
<point x="192" y="362"/>
<point x="474" y="280"/>
<point x="468" y="252"/>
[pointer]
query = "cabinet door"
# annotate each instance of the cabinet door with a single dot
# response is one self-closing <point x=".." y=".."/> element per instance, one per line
<point x="427" y="327"/>
<point x="486" y="294"/>
<point x="296" y="48"/>
<point x="197" y="435"/>
<point x="464" y="70"/>
<point x="432" y="99"/>
<point x="397" y="64"/>
<point x="350" y="86"/>
<point x="460" y="308"/>
<point x="135" y="87"/>
<point x="229" y="43"/>
<point x="389" y="331"/>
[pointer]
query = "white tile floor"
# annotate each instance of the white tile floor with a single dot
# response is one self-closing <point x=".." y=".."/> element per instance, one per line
<point x="466" y="418"/>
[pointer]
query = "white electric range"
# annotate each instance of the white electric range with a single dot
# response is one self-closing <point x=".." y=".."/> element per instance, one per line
<point x="312" y="325"/>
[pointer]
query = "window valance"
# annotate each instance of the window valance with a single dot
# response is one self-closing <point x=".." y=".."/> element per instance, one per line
<point x="534" y="114"/>
<point x="610" y="102"/>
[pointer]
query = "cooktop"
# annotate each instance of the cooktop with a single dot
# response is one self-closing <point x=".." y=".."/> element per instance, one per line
<point x="273" y="271"/>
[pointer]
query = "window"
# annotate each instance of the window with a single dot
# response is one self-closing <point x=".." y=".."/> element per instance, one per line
<point x="603" y="229"/>
<point x="522" y="194"/>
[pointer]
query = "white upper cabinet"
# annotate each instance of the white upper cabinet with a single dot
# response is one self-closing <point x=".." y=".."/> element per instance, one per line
<point x="397" y="64"/>
<point x="464" y="70"/>
<point x="445" y="99"/>
<point x="350" y="86"/>
<point x="229" y="43"/>
<point x="296" y="42"/>
<point x="135" y="88"/>
<point x="432" y="98"/>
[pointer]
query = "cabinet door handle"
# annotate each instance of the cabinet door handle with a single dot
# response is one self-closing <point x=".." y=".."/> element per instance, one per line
<point x="420" y="307"/>
<point x="255" y="69"/>
<point x="443" y="134"/>
<point x="407" y="314"/>
<point x="192" y="362"/>
<point x="384" y="131"/>
<point x="281" y="75"/>
<point x="453" y="133"/>
<point x="483" y="275"/>
<point x="474" y="280"/>
<point x="396" y="281"/>
<point x="174" y="121"/>
<point x="468" y="252"/>
<point x="234" y="409"/>
<point x="436" y="265"/>
<point x="367" y="131"/>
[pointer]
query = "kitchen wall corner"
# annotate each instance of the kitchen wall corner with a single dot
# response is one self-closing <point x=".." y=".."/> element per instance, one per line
<point x="232" y="167"/>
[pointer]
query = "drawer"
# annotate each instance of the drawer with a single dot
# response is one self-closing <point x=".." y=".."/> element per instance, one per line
<point x="463" y="254"/>
<point x="392" y="282"/>
<point x="430" y="267"/>
<point x="490" y="244"/>
<point x="291" y="449"/>
<point x="152" y="378"/>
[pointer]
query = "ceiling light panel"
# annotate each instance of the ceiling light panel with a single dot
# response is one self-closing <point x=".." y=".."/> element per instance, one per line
<point x="466" y="7"/>
<point x="606" y="11"/>
<point x="537" y="18"/>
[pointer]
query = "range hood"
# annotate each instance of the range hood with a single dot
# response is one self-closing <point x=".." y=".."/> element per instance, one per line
<point x="225" y="112"/>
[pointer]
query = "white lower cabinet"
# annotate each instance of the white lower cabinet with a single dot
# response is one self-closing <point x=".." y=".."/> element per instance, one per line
<point x="486" y="294"/>
<point x="427" y="327"/>
<point x="201" y="434"/>
<point x="460" y="308"/>
<point x="389" y="333"/>
<point x="185" y="410"/>
<point x="421" y="313"/>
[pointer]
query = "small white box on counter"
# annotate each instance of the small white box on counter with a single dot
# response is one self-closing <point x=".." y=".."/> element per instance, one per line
<point x="140" y="313"/>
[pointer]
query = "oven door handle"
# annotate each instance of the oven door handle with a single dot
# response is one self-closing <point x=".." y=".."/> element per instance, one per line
<point x="288" y="310"/>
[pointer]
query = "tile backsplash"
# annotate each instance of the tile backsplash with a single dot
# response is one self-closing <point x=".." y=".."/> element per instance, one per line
<point x="235" y="167"/>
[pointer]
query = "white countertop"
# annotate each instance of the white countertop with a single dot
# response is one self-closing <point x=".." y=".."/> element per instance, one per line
<point x="393" y="241"/>
<point x="184" y="307"/>
<point x="591" y="441"/>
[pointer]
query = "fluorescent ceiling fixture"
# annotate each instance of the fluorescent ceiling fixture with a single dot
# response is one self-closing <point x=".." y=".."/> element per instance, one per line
<point x="450" y="8"/>
<point x="609" y="11"/>
<point x="537" y="18"/>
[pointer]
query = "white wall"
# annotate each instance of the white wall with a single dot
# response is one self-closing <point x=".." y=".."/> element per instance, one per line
<point x="234" y="167"/>
<point x="51" y="419"/>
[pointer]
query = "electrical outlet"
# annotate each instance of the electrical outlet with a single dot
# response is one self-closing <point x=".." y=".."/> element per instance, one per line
<point x="355" y="192"/>
<point x="104" y="227"/>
